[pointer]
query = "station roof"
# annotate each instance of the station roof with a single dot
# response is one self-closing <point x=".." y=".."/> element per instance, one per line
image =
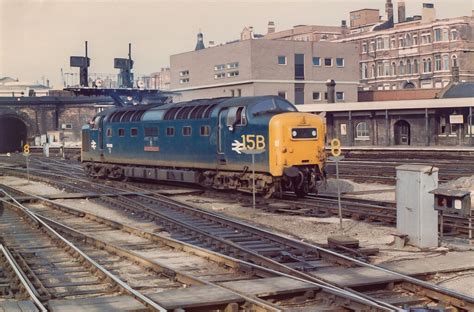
<point x="387" y="105"/>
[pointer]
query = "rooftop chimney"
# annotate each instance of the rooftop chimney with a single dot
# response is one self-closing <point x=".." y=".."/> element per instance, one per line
<point x="428" y="14"/>
<point x="401" y="11"/>
<point x="200" y="42"/>
<point x="343" y="24"/>
<point x="331" y="90"/>
<point x="389" y="10"/>
<point x="271" y="27"/>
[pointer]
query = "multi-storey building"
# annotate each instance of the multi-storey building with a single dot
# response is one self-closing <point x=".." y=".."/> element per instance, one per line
<point x="417" y="52"/>
<point x="295" y="70"/>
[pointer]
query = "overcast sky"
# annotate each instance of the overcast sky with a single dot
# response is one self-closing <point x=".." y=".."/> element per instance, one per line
<point x="38" y="36"/>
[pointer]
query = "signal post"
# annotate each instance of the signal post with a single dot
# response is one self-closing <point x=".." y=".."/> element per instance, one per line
<point x="26" y="152"/>
<point x="336" y="157"/>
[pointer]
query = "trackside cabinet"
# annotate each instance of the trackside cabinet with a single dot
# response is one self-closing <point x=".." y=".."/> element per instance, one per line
<point x="415" y="214"/>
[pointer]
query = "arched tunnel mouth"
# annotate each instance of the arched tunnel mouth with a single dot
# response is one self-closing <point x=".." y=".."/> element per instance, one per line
<point x="13" y="133"/>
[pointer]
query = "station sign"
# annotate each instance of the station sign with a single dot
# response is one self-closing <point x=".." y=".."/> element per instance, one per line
<point x="456" y="119"/>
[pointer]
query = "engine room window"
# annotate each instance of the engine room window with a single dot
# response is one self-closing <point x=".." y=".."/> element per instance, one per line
<point x="133" y="132"/>
<point x="304" y="133"/>
<point x="170" y="131"/>
<point x="109" y="132"/>
<point x="187" y="131"/>
<point x="205" y="130"/>
<point x="151" y="131"/>
<point x="121" y="132"/>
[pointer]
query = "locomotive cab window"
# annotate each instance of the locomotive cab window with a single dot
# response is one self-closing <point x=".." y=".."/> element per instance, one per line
<point x="134" y="132"/>
<point x="304" y="134"/>
<point x="236" y="117"/>
<point x="170" y="131"/>
<point x="121" y="132"/>
<point x="271" y="106"/>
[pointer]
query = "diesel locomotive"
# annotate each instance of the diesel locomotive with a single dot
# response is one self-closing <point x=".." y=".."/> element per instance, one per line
<point x="210" y="142"/>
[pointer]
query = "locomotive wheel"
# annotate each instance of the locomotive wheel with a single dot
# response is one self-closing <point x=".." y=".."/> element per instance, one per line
<point x="269" y="191"/>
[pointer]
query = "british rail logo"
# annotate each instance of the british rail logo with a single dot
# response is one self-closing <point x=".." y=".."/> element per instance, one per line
<point x="249" y="142"/>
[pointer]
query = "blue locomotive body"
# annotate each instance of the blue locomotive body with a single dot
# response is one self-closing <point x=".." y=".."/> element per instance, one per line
<point x="200" y="141"/>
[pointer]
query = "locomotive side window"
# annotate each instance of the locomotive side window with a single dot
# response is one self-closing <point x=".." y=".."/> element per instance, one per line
<point x="121" y="132"/>
<point x="186" y="131"/>
<point x="109" y="132"/>
<point x="170" y="131"/>
<point x="134" y="132"/>
<point x="205" y="130"/>
<point x="241" y="119"/>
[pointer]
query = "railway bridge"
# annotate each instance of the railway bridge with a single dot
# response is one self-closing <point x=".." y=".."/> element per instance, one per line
<point x="24" y="118"/>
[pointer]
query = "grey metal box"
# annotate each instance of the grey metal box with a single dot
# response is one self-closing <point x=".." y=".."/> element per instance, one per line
<point x="416" y="216"/>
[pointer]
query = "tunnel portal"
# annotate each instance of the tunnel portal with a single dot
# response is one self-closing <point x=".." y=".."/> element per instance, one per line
<point x="13" y="134"/>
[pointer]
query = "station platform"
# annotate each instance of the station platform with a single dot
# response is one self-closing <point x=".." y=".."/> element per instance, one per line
<point x="408" y="148"/>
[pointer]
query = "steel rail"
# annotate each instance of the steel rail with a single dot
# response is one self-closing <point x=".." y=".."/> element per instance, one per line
<point x="23" y="279"/>
<point x="142" y="298"/>
<point x="327" y="287"/>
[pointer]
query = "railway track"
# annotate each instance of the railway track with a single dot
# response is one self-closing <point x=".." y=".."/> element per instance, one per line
<point x="161" y="267"/>
<point x="235" y="239"/>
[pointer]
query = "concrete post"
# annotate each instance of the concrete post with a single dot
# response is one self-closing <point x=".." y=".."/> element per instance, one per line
<point x="416" y="216"/>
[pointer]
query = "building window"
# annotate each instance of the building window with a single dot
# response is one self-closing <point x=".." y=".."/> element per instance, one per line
<point x="409" y="70"/>
<point x="339" y="62"/>
<point x="408" y="40"/>
<point x="393" y="43"/>
<point x="415" y="66"/>
<point x="445" y="34"/>
<point x="109" y="132"/>
<point x="362" y="130"/>
<point x="239" y="92"/>
<point x="401" y="42"/>
<point x="316" y="96"/>
<point x="401" y="68"/>
<point x="339" y="96"/>
<point x="219" y="67"/>
<point x="372" y="71"/>
<point x="445" y="62"/>
<point x="233" y="65"/>
<point x="393" y="69"/>
<point x="184" y="73"/>
<point x="328" y="62"/>
<point x="379" y="69"/>
<point x="364" y="71"/>
<point x="386" y="69"/>
<point x="379" y="44"/>
<point x="232" y="92"/>
<point x="186" y="131"/>
<point x="437" y="62"/>
<point x="316" y="61"/>
<point x="282" y="94"/>
<point x="455" y="60"/>
<point x="299" y="93"/>
<point x="219" y="75"/>
<point x="454" y="34"/>
<point x="67" y="126"/>
<point x="170" y="131"/>
<point x="415" y="40"/>
<point x="121" y="132"/>
<point x="364" y="47"/>
<point x="185" y="80"/>
<point x="281" y="60"/>
<point x="437" y="35"/>
<point x="205" y="131"/>
<point x="372" y="46"/>
<point x="325" y="96"/>
<point x="233" y="73"/>
<point x="134" y="132"/>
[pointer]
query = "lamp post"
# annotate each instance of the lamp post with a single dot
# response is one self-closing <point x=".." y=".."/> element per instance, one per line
<point x="253" y="152"/>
